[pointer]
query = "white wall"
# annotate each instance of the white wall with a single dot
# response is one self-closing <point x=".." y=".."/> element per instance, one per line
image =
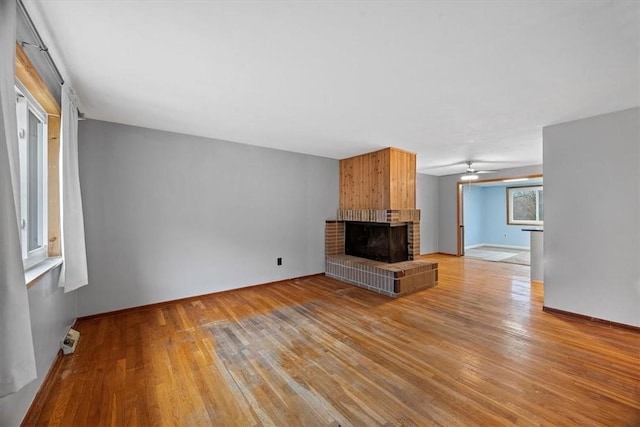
<point x="52" y="312"/>
<point x="592" y="225"/>
<point x="169" y="216"/>
<point x="447" y="208"/>
<point x="427" y="202"/>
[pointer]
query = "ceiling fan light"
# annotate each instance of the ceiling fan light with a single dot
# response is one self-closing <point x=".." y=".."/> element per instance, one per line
<point x="469" y="177"/>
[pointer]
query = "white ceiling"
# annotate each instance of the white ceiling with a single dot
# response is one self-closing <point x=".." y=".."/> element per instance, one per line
<point x="451" y="81"/>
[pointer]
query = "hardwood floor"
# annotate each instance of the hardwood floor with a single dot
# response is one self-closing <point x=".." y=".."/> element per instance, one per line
<point x="475" y="350"/>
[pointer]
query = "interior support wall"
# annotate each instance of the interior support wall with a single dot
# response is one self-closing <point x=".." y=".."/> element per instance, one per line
<point x="592" y="217"/>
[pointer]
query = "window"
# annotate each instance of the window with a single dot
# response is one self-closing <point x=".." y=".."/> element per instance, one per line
<point x="525" y="205"/>
<point x="32" y="149"/>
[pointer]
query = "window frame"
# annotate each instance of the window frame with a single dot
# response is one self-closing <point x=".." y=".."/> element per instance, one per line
<point x="538" y="192"/>
<point x="25" y="104"/>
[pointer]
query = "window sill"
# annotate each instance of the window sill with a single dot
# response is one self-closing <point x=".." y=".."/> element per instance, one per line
<point x="32" y="275"/>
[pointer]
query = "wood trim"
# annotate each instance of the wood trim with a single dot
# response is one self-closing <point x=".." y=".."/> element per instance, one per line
<point x="53" y="180"/>
<point x="551" y="310"/>
<point x="187" y="299"/>
<point x="459" y="219"/>
<point x="29" y="77"/>
<point x="480" y="181"/>
<point x="41" y="396"/>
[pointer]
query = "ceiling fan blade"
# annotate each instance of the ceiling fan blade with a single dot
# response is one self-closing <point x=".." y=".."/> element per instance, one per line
<point x="450" y="165"/>
<point x="465" y="167"/>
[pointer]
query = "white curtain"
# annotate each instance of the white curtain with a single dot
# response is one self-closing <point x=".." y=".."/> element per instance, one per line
<point x="17" y="358"/>
<point x="74" y="272"/>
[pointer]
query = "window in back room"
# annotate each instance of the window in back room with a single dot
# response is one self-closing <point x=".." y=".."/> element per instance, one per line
<point x="32" y="149"/>
<point x="525" y="205"/>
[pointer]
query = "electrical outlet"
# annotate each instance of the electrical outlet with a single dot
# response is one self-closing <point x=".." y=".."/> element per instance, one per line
<point x="279" y="261"/>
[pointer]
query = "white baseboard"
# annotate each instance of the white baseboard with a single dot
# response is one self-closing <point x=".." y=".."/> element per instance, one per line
<point x="474" y="246"/>
<point x="493" y="245"/>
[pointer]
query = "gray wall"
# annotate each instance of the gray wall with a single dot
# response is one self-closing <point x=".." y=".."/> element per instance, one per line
<point x="447" y="207"/>
<point x="427" y="202"/>
<point x="592" y="226"/>
<point x="52" y="312"/>
<point x="170" y="216"/>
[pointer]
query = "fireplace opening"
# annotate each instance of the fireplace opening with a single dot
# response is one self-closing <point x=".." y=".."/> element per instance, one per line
<point x="377" y="241"/>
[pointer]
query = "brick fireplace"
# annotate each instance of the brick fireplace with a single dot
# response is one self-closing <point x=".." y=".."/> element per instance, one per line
<point x="375" y="241"/>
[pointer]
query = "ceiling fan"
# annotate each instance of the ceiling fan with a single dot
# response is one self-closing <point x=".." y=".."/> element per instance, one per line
<point x="471" y="174"/>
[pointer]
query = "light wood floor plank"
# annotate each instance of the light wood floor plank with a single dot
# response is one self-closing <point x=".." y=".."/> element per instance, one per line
<point x="475" y="350"/>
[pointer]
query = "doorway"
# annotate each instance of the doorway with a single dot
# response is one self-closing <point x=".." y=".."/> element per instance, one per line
<point x="482" y="220"/>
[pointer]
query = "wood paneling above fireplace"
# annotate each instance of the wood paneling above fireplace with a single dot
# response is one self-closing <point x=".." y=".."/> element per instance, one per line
<point x="382" y="180"/>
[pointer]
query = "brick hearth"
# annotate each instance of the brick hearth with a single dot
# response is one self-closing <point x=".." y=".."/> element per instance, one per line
<point x="394" y="279"/>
